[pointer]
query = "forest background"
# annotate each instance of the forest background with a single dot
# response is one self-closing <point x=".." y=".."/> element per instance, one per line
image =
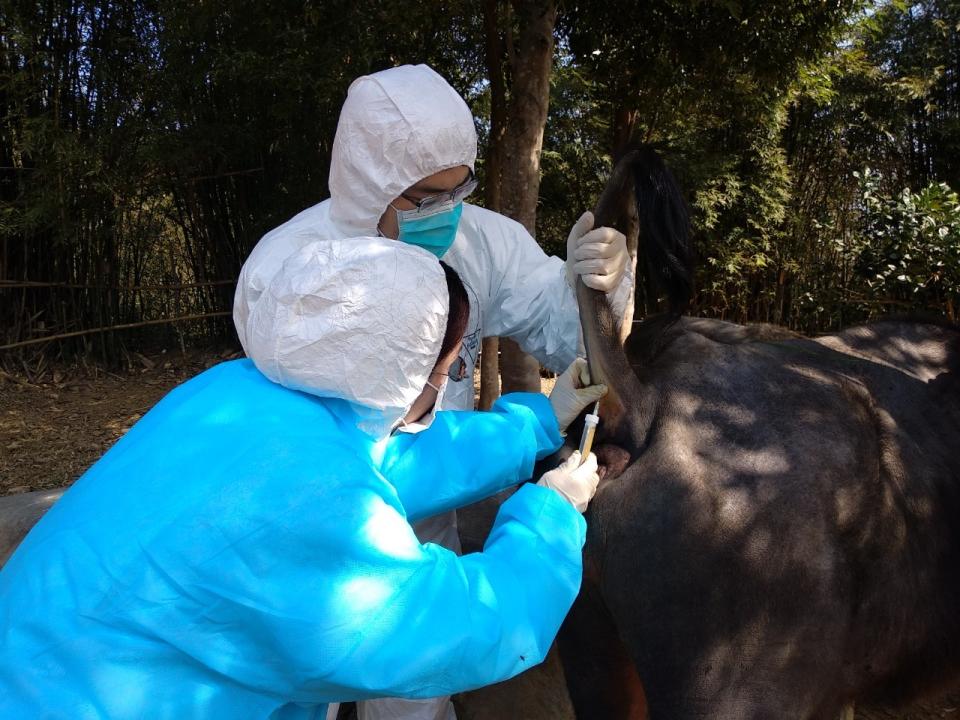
<point x="146" y="145"/>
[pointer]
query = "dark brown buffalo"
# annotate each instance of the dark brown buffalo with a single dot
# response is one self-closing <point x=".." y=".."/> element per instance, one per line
<point x="777" y="533"/>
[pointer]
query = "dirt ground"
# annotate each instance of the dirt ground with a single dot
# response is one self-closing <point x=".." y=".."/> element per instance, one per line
<point x="52" y="429"/>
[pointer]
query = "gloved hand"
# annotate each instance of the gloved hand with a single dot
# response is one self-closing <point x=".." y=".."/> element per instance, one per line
<point x="575" y="482"/>
<point x="599" y="256"/>
<point x="573" y="392"/>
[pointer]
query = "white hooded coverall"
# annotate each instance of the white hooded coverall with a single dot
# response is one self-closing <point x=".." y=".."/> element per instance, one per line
<point x="397" y="127"/>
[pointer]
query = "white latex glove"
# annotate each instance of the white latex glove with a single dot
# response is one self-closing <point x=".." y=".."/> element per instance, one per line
<point x="599" y="256"/>
<point x="573" y="392"/>
<point x="575" y="482"/>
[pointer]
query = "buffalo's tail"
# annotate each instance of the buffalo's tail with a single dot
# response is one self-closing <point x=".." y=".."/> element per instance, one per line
<point x="640" y="187"/>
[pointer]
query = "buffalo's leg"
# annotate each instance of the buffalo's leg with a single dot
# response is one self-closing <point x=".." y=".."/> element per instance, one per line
<point x="601" y="678"/>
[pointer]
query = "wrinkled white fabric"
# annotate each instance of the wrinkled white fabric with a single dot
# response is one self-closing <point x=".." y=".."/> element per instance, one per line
<point x="360" y="319"/>
<point x="401" y="709"/>
<point x="396" y="127"/>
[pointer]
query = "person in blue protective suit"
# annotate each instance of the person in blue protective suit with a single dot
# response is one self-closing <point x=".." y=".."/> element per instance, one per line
<point x="245" y="550"/>
<point x="402" y="166"/>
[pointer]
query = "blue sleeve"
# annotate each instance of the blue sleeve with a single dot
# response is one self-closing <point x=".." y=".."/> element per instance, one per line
<point x="322" y="593"/>
<point x="397" y="618"/>
<point x="467" y="456"/>
<point x="464" y="622"/>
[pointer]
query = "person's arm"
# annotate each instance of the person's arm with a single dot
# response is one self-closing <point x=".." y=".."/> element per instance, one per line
<point x="467" y="456"/>
<point x="323" y="593"/>
<point x="458" y="623"/>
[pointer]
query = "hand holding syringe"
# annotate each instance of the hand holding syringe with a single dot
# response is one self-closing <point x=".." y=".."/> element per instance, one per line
<point x="572" y="394"/>
<point x="576" y="478"/>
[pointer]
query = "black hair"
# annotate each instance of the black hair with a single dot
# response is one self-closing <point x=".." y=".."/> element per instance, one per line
<point x="459" y="311"/>
<point x="666" y="250"/>
<point x="664" y="229"/>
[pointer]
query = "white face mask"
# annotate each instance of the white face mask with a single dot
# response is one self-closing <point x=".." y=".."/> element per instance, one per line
<point x="427" y="420"/>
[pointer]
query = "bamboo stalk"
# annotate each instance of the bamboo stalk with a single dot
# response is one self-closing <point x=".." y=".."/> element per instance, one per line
<point x="18" y="284"/>
<point x="198" y="178"/>
<point x="109" y="328"/>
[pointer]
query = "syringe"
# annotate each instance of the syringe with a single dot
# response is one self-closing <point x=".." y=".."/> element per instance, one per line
<point x="589" y="429"/>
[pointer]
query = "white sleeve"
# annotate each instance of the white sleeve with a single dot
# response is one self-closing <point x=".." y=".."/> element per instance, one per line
<point x="530" y="300"/>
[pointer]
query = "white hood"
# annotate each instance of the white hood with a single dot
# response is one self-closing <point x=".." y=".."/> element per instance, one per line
<point x="360" y="319"/>
<point x="396" y="127"/>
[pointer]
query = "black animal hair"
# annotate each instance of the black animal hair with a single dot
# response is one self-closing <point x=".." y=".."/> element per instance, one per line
<point x="664" y="228"/>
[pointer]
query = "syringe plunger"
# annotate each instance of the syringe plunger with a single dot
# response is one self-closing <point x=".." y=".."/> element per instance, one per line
<point x="589" y="429"/>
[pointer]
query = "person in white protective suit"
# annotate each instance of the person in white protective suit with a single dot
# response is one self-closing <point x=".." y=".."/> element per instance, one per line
<point x="245" y="552"/>
<point x="402" y="163"/>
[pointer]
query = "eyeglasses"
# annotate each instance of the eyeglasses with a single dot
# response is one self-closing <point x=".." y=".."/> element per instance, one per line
<point x="458" y="370"/>
<point x="424" y="207"/>
<point x="462" y="365"/>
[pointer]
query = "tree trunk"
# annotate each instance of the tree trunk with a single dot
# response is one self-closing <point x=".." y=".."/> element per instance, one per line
<point x="498" y="103"/>
<point x="527" y="110"/>
<point x="489" y="360"/>
<point x="520" y="372"/>
<point x="530" y="67"/>
<point x="489" y="373"/>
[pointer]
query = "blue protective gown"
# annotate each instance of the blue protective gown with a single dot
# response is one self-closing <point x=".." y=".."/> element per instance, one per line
<point x="245" y="552"/>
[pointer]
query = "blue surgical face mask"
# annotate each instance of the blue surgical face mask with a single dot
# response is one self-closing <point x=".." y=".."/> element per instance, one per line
<point x="435" y="232"/>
